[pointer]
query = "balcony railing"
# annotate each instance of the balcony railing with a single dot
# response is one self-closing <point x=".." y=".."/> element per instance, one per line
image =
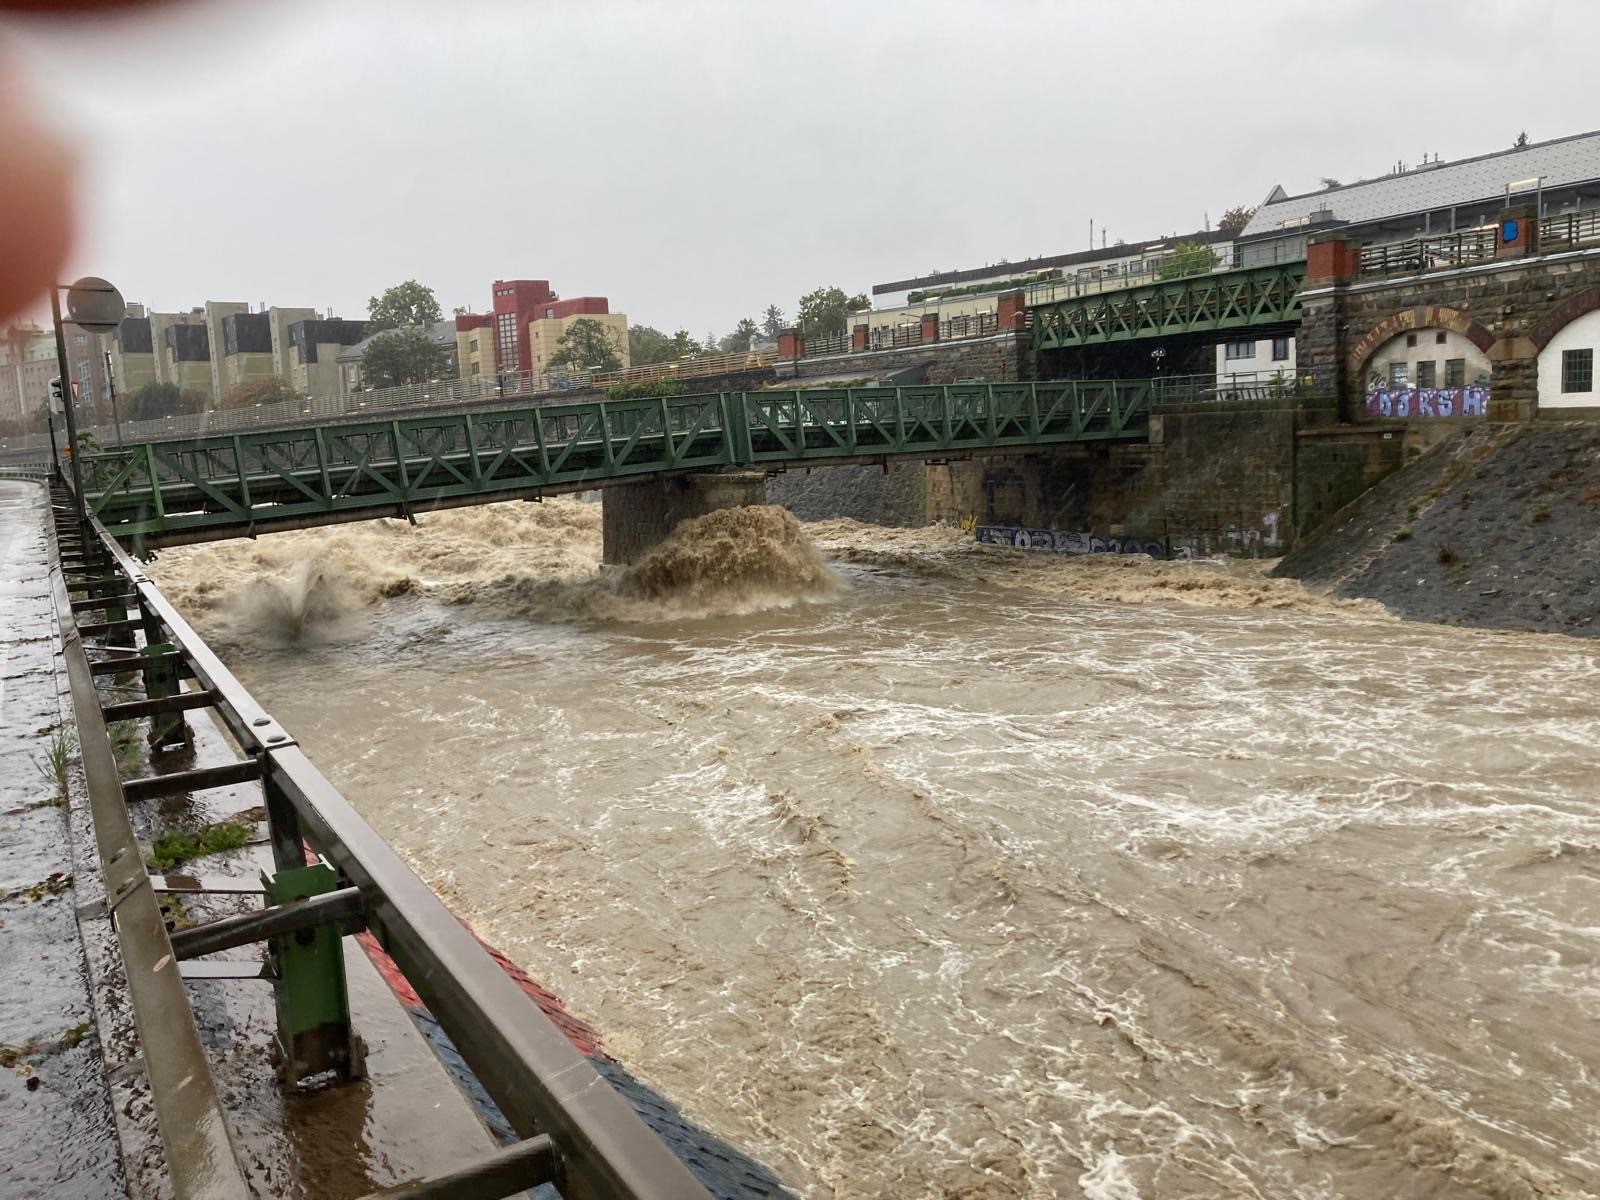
<point x="1568" y="231"/>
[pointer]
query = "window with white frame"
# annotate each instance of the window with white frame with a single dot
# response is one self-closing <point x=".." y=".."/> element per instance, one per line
<point x="1237" y="350"/>
<point x="1280" y="349"/>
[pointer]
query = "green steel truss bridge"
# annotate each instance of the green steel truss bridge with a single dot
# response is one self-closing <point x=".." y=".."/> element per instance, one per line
<point x="1251" y="298"/>
<point x="172" y="492"/>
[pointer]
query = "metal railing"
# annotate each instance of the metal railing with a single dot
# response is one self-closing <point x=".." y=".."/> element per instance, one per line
<point x="1439" y="252"/>
<point x="1568" y="231"/>
<point x="547" y="387"/>
<point x="1133" y="275"/>
<point x="579" y="1133"/>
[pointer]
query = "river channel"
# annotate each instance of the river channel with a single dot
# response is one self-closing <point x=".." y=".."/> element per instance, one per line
<point x="921" y="868"/>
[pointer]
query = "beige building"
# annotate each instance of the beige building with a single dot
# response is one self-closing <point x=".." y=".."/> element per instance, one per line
<point x="27" y="365"/>
<point x="314" y="360"/>
<point x="545" y="334"/>
<point x="475" y="350"/>
<point x="216" y="312"/>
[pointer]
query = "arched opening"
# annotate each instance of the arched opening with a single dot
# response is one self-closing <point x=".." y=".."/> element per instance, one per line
<point x="1426" y="372"/>
<point x="1567" y="363"/>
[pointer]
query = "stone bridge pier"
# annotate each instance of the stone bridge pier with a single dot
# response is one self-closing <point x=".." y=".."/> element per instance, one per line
<point x="634" y="517"/>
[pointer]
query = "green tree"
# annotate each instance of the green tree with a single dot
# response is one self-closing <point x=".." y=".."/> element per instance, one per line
<point x="267" y="391"/>
<point x="589" y="345"/>
<point x="1234" y="220"/>
<point x="738" y="342"/>
<point x="772" y="321"/>
<point x="1329" y="183"/>
<point x="402" y="356"/>
<point x="156" y="400"/>
<point x="408" y="303"/>
<point x="683" y="345"/>
<point x="711" y="343"/>
<point x="827" y="310"/>
<point x="1187" y="258"/>
<point x="647" y="345"/>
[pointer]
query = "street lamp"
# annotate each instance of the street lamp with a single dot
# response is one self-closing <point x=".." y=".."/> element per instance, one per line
<point x="97" y="306"/>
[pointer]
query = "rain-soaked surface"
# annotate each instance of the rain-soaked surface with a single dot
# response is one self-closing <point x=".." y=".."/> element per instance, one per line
<point x="64" y="1021"/>
<point x="56" y="1132"/>
<point x="946" y="872"/>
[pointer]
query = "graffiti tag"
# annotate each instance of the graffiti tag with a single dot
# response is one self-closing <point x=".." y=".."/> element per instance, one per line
<point x="1427" y="402"/>
<point x="1050" y="541"/>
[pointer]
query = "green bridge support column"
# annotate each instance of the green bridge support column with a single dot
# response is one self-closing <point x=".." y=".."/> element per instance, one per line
<point x="636" y="516"/>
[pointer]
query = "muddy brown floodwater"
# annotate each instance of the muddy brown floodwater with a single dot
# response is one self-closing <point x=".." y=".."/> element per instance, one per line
<point x="938" y="871"/>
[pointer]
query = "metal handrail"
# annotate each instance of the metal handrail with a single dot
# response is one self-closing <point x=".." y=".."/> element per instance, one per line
<point x="602" y="1148"/>
<point x="1569" y="230"/>
<point x="1438" y="252"/>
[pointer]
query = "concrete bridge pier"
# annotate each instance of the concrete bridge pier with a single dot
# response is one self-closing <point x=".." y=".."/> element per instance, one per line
<point x="634" y="517"/>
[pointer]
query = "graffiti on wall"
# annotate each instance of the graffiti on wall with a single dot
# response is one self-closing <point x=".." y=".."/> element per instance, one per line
<point x="1051" y="541"/>
<point x="1428" y="402"/>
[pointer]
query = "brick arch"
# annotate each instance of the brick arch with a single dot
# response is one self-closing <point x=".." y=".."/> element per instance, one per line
<point x="1428" y="316"/>
<point x="1562" y="315"/>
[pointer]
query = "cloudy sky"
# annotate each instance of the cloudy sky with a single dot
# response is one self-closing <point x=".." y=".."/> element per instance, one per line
<point x="697" y="161"/>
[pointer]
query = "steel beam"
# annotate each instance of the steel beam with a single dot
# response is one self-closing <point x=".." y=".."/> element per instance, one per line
<point x="341" y="908"/>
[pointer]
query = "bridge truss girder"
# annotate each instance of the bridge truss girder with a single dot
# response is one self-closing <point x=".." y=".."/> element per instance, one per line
<point x="237" y="484"/>
<point x="1254" y="297"/>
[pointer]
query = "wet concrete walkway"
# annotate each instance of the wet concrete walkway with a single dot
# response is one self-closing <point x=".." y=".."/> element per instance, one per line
<point x="57" y="1135"/>
<point x="64" y="1130"/>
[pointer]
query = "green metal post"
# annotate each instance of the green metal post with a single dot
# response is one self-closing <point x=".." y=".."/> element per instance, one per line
<point x="314" y="1034"/>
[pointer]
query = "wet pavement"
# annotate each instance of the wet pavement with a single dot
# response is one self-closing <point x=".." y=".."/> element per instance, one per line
<point x="65" y="1023"/>
<point x="57" y="1137"/>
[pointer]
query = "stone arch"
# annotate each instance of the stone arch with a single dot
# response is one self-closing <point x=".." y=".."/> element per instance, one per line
<point x="1427" y="316"/>
<point x="1562" y="315"/>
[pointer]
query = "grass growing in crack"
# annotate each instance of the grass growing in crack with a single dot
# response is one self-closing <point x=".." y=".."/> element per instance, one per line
<point x="54" y="767"/>
<point x="1448" y="554"/>
<point x="172" y="849"/>
<point x="1541" y="514"/>
<point x="124" y="737"/>
<point x="1403" y="535"/>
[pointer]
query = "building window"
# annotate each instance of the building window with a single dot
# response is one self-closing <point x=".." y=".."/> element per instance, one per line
<point x="548" y="313"/>
<point x="80" y="340"/>
<point x="1280" y="349"/>
<point x="1397" y="375"/>
<point x="1438" y="338"/>
<point x="1455" y="372"/>
<point x="1241" y="350"/>
<point x="1577" y="370"/>
<point x="472" y="344"/>
<point x="475" y="367"/>
<point x="1426" y="374"/>
<point x="1411" y="340"/>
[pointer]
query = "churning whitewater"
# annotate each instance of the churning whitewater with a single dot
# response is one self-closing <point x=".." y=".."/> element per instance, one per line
<point x="922" y="868"/>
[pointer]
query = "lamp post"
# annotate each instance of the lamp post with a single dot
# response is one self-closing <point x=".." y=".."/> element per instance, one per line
<point x="94" y="305"/>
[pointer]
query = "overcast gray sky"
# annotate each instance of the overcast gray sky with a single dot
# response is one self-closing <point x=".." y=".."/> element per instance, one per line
<point x="696" y="161"/>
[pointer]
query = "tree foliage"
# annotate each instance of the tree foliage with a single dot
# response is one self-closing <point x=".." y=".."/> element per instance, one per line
<point x="1329" y="183"/>
<point x="266" y="391"/>
<point x="772" y="321"/>
<point x="588" y="345"/>
<point x="1187" y="258"/>
<point x="643" y="389"/>
<point x="155" y="400"/>
<point x="408" y="303"/>
<point x="1234" y="220"/>
<point x="827" y="310"/>
<point x="402" y="356"/>
<point x="738" y="342"/>
<point x="648" y="345"/>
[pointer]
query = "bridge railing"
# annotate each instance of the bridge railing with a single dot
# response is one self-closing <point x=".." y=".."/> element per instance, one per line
<point x="1438" y="252"/>
<point x="577" y="1132"/>
<point x="1568" y="231"/>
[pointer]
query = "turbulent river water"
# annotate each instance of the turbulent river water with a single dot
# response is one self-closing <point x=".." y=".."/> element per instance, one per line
<point x="920" y="868"/>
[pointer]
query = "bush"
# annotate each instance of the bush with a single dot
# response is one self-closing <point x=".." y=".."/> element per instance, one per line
<point x="645" y="389"/>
